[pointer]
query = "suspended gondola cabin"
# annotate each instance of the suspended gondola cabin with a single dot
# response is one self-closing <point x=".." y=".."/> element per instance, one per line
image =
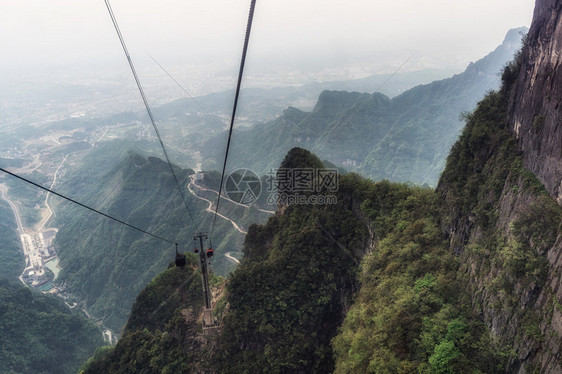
<point x="180" y="259"/>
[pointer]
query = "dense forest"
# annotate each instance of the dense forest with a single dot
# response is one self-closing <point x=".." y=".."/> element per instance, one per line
<point x="40" y="334"/>
<point x="287" y="302"/>
<point x="300" y="276"/>
<point x="161" y="333"/>
<point x="12" y="260"/>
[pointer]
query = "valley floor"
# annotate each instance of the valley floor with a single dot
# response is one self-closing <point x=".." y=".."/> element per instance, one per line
<point x="41" y="261"/>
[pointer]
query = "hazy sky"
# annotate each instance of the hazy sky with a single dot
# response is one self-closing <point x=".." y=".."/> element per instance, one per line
<point x="313" y="34"/>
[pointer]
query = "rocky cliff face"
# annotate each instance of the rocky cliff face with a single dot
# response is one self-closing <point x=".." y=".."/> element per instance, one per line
<point x="535" y="112"/>
<point x="501" y="187"/>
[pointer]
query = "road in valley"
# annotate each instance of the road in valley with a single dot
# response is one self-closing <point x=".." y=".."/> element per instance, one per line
<point x="210" y="207"/>
<point x="232" y="201"/>
<point x="4" y="190"/>
<point x="32" y="254"/>
<point x="44" y="221"/>
<point x="231" y="258"/>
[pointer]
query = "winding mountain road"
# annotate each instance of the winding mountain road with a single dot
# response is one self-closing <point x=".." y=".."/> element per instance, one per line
<point x="4" y="190"/>
<point x="210" y="207"/>
<point x="46" y="219"/>
<point x="231" y="258"/>
<point x="232" y="201"/>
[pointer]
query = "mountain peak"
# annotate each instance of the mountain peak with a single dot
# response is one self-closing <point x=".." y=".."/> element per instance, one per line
<point x="336" y="101"/>
<point x="299" y="158"/>
<point x="515" y="35"/>
<point x="495" y="60"/>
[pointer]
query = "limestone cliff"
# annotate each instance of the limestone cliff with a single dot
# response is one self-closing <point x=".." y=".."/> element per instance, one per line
<point x="535" y="115"/>
<point x="500" y="188"/>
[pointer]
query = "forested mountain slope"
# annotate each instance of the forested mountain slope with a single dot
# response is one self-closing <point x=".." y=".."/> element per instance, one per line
<point x="285" y="304"/>
<point x="40" y="334"/>
<point x="12" y="260"/>
<point x="162" y="332"/>
<point x="106" y="264"/>
<point x="502" y="221"/>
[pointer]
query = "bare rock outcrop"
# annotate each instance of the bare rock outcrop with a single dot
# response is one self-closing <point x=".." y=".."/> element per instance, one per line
<point x="535" y="111"/>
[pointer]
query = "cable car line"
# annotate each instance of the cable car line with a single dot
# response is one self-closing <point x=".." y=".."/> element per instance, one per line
<point x="149" y="111"/>
<point x="218" y="122"/>
<point x="87" y="207"/>
<point x="236" y="96"/>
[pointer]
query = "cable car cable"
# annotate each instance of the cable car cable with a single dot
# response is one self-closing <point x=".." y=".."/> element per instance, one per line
<point x="236" y="96"/>
<point x="137" y="80"/>
<point x="219" y="123"/>
<point x="87" y="207"/>
<point x="215" y="120"/>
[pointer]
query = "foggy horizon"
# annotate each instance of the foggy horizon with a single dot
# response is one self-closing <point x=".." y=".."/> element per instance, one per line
<point x="315" y="34"/>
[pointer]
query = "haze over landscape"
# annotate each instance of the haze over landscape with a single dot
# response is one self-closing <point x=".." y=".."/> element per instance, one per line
<point x="434" y="249"/>
<point x="50" y="45"/>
